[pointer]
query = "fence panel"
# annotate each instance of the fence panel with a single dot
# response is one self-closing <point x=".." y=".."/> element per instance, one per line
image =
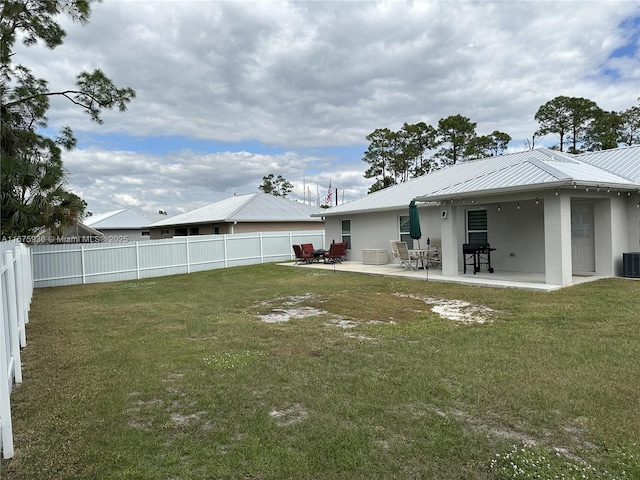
<point x="16" y="289"/>
<point x="57" y="265"/>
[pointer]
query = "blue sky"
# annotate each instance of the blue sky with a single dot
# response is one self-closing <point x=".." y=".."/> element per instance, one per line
<point x="231" y="91"/>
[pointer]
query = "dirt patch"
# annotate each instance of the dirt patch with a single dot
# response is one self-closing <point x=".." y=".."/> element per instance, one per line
<point x="456" y="310"/>
<point x="289" y="308"/>
<point x="278" y="315"/>
<point x="289" y="416"/>
<point x="342" y="323"/>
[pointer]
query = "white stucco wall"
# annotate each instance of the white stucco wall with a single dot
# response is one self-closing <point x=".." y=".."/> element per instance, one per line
<point x="376" y="230"/>
<point x="633" y="225"/>
<point x="535" y="238"/>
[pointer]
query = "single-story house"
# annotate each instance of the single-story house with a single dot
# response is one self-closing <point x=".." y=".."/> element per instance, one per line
<point x="255" y="212"/>
<point x="78" y="233"/>
<point x="544" y="212"/>
<point x="123" y="225"/>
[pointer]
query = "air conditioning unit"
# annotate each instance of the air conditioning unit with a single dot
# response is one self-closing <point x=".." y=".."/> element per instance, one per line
<point x="631" y="265"/>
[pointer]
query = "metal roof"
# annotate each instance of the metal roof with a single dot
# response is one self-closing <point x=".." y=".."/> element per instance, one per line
<point x="620" y="161"/>
<point x="124" y="218"/>
<point x="254" y="207"/>
<point x="539" y="168"/>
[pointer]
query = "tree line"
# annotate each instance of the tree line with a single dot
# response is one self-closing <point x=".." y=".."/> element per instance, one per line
<point x="580" y="125"/>
<point x="33" y="187"/>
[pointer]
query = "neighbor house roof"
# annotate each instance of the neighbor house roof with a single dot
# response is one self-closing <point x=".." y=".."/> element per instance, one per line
<point x="254" y="207"/>
<point x="518" y="172"/>
<point x="123" y="219"/>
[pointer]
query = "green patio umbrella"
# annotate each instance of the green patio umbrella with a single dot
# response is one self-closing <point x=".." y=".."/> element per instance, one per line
<point x="414" y="222"/>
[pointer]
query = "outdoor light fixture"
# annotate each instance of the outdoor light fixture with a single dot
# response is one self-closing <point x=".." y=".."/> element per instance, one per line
<point x="556" y="193"/>
<point x="587" y="189"/>
<point x="537" y="201"/>
<point x="518" y="206"/>
<point x="499" y="208"/>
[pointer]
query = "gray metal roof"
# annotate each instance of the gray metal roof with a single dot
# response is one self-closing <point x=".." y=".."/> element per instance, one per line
<point x="532" y="169"/>
<point x="124" y="218"/>
<point x="620" y="161"/>
<point x="254" y="207"/>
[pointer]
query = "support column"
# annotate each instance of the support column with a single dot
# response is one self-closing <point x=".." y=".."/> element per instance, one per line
<point x="450" y="244"/>
<point x="557" y="240"/>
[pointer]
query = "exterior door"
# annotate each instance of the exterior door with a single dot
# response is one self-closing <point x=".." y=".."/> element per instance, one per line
<point x="582" y="245"/>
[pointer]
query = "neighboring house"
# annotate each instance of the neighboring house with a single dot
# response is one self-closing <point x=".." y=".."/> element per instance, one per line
<point x="78" y="233"/>
<point x="544" y="211"/>
<point x="124" y="225"/>
<point x="255" y="212"/>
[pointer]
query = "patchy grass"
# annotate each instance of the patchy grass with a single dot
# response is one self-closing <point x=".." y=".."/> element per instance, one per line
<point x="184" y="377"/>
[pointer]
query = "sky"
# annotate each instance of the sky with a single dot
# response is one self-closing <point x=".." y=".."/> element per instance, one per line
<point x="231" y="91"/>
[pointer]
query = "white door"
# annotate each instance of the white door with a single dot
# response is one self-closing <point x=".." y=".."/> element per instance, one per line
<point x="582" y="245"/>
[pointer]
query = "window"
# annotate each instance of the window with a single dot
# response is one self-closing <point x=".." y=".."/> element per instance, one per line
<point x="194" y="231"/>
<point x="164" y="231"/>
<point x="181" y="232"/>
<point x="145" y="233"/>
<point x="477" y="226"/>
<point x="346" y="232"/>
<point x="405" y="236"/>
<point x="216" y="230"/>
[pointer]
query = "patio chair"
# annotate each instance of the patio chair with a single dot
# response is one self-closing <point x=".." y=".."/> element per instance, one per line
<point x="302" y="257"/>
<point x="337" y="251"/>
<point x="394" y="249"/>
<point x="405" y="257"/>
<point x="307" y="247"/>
<point x="434" y="256"/>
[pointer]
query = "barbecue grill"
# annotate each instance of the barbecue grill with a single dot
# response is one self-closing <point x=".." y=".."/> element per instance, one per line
<point x="477" y="254"/>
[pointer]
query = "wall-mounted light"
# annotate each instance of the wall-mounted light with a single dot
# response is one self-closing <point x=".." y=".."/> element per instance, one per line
<point x="557" y="193"/>
<point x="518" y="206"/>
<point x="537" y="201"/>
<point x="499" y="208"/>
<point x="586" y="189"/>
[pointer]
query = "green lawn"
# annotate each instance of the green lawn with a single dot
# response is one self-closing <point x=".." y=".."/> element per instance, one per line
<point x="181" y="378"/>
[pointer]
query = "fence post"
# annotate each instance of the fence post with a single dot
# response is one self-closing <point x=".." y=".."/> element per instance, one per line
<point x="186" y="242"/>
<point x="6" y="431"/>
<point x="226" y="262"/>
<point x="261" y="247"/>
<point x="84" y="273"/>
<point x="12" y="311"/>
<point x="21" y="306"/>
<point x="137" y="260"/>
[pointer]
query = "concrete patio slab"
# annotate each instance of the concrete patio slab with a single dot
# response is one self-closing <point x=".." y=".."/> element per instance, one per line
<point x="525" y="281"/>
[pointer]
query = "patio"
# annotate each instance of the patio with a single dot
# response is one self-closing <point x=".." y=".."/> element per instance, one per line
<point x="501" y="279"/>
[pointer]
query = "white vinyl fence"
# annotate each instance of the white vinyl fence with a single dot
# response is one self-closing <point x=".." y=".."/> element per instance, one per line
<point x="16" y="289"/>
<point x="71" y="264"/>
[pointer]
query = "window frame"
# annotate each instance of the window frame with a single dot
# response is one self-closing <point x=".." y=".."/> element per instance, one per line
<point x="477" y="235"/>
<point x="346" y="233"/>
<point x="404" y="235"/>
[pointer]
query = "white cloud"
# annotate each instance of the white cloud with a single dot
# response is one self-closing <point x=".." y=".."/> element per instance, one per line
<point x="298" y="75"/>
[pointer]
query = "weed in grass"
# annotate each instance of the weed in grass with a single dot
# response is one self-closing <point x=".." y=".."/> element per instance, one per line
<point x="230" y="360"/>
<point x="534" y="462"/>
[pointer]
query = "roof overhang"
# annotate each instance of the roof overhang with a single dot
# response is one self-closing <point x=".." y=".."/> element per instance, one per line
<point x="562" y="184"/>
<point x="342" y="213"/>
